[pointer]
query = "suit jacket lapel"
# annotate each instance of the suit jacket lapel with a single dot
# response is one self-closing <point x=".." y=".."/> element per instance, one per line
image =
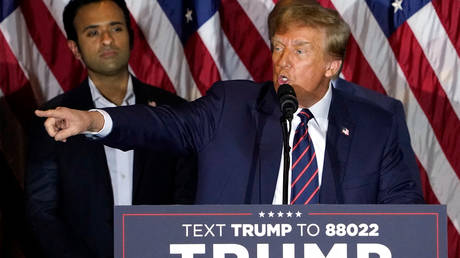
<point x="81" y="98"/>
<point x="271" y="141"/>
<point x="338" y="142"/>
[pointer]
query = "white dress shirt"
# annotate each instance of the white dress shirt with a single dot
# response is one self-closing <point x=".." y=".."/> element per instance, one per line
<point x="317" y="128"/>
<point x="120" y="163"/>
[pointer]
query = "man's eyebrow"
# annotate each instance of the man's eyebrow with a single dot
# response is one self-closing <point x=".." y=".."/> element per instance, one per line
<point x="275" y="41"/>
<point x="94" y="26"/>
<point x="116" y="23"/>
<point x="90" y="27"/>
<point x="301" y="43"/>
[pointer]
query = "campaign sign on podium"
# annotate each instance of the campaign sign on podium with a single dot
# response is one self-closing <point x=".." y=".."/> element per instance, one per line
<point x="281" y="231"/>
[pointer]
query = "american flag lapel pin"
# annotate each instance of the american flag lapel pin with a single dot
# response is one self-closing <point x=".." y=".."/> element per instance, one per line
<point x="345" y="131"/>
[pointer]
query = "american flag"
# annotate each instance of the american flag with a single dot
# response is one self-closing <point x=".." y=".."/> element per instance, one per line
<point x="408" y="49"/>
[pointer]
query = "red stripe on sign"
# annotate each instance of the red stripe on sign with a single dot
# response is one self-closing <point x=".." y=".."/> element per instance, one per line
<point x="145" y="64"/>
<point x="202" y="66"/>
<point x="52" y="44"/>
<point x="246" y="40"/>
<point x="448" y="12"/>
<point x="356" y="68"/>
<point x="430" y="197"/>
<point x="428" y="92"/>
<point x="12" y="77"/>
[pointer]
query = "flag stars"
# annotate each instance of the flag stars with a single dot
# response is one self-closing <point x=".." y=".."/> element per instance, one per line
<point x="271" y="214"/>
<point x="261" y="214"/>
<point x="298" y="214"/>
<point x="188" y="16"/>
<point x="397" y="4"/>
<point x="289" y="214"/>
<point x="280" y="214"/>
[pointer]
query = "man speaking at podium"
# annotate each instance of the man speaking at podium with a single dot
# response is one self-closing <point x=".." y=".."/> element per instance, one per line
<point x="344" y="147"/>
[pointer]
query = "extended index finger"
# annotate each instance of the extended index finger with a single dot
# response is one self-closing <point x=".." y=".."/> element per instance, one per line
<point x="45" y="113"/>
<point x="59" y="112"/>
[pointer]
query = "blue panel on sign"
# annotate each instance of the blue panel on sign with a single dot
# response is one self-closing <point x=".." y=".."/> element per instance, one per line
<point x="275" y="230"/>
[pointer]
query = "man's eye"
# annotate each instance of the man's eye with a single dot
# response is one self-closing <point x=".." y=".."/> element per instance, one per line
<point x="299" y="51"/>
<point x="117" y="29"/>
<point x="92" y="33"/>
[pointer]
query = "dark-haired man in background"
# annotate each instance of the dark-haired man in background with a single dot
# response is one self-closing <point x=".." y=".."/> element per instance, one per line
<point x="72" y="187"/>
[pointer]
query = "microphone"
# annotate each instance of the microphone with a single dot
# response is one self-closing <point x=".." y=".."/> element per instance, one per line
<point x="288" y="101"/>
<point x="288" y="104"/>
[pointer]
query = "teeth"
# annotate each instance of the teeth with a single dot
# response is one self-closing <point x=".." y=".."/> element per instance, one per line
<point x="284" y="78"/>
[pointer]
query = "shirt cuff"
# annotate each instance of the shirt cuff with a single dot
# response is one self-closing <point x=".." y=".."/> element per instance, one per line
<point x="106" y="129"/>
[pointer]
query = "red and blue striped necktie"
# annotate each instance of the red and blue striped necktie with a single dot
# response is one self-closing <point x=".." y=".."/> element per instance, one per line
<point x="304" y="182"/>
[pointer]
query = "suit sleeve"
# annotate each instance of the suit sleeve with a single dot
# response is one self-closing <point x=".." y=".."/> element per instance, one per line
<point x="42" y="197"/>
<point x="405" y="144"/>
<point x="182" y="130"/>
<point x="399" y="176"/>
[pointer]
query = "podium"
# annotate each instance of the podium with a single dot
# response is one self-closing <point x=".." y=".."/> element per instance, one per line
<point x="281" y="231"/>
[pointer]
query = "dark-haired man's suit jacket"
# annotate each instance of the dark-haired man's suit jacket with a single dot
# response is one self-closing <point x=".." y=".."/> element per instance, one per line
<point x="69" y="191"/>
<point x="235" y="131"/>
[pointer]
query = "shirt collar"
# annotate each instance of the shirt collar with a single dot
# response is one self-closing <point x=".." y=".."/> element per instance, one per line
<point x="320" y="109"/>
<point x="99" y="98"/>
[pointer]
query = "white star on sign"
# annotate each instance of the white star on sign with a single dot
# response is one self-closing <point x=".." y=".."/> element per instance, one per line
<point x="280" y="214"/>
<point x="397" y="5"/>
<point x="270" y="214"/>
<point x="188" y="15"/>
<point x="261" y="214"/>
<point x="298" y="214"/>
<point x="289" y="214"/>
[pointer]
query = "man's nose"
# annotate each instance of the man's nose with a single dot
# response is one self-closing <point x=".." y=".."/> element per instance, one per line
<point x="284" y="60"/>
<point x="106" y="38"/>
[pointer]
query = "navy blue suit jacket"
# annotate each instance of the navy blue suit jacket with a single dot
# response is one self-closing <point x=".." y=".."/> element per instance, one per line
<point x="68" y="185"/>
<point x="392" y="105"/>
<point x="235" y="131"/>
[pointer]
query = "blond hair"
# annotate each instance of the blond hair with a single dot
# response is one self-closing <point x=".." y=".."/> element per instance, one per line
<point x="309" y="13"/>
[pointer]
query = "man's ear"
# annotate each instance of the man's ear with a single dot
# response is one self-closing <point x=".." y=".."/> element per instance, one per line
<point x="74" y="48"/>
<point x="333" y="67"/>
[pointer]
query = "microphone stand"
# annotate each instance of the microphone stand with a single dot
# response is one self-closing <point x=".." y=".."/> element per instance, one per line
<point x="286" y="128"/>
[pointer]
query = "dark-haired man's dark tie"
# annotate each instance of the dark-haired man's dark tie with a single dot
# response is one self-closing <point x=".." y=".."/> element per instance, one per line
<point x="304" y="182"/>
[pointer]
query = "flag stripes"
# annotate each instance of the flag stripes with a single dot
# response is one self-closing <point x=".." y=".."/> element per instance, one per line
<point x="145" y="64"/>
<point x="228" y="63"/>
<point x="437" y="107"/>
<point x="49" y="38"/>
<point x="438" y="50"/>
<point x="12" y="78"/>
<point x="166" y="45"/>
<point x="256" y="56"/>
<point x="445" y="10"/>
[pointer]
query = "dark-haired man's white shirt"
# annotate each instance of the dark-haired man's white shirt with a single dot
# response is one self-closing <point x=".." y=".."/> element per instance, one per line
<point x="120" y="163"/>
